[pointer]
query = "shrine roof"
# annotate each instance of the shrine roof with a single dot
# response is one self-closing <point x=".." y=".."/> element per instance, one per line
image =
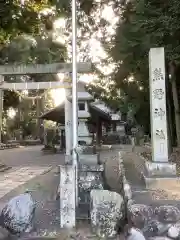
<point x="57" y="114"/>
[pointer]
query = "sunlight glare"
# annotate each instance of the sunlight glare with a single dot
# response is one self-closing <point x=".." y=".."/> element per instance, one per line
<point x="58" y="96"/>
<point x="60" y="23"/>
<point x="11" y="113"/>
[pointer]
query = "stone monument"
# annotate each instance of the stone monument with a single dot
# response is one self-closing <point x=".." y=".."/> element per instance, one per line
<point x="159" y="167"/>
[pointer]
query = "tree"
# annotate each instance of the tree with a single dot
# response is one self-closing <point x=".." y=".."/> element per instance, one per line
<point x="142" y="24"/>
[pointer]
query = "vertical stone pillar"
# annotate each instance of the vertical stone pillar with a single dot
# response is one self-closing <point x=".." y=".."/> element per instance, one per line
<point x="68" y="123"/>
<point x="67" y="196"/>
<point x="158" y="105"/>
<point x="159" y="166"/>
<point x="1" y="107"/>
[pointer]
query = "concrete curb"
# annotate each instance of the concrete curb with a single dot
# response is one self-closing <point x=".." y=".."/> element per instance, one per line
<point x="47" y="170"/>
<point x="9" y="146"/>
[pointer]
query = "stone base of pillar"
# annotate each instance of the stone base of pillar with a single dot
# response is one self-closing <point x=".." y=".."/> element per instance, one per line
<point x="92" y="159"/>
<point x="158" y="173"/>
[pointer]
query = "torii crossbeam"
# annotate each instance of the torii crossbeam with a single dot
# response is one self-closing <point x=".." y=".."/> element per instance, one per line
<point x="53" y="68"/>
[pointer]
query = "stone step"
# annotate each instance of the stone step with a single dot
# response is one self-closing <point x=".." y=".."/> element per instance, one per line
<point x="154" y="198"/>
<point x="89" y="159"/>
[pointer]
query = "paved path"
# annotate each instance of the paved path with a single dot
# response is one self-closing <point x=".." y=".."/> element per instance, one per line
<point x="26" y="163"/>
<point x="29" y="156"/>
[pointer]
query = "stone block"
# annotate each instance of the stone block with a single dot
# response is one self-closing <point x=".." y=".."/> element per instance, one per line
<point x="139" y="215"/>
<point x="107" y="212"/>
<point x="89" y="177"/>
<point x="90" y="168"/>
<point x="160" y="169"/>
<point x="166" y="184"/>
<point x="158" y="222"/>
<point x="167" y="213"/>
<point x="89" y="181"/>
<point x="18" y="214"/>
<point x="84" y="149"/>
<point x="159" y="175"/>
<point x="89" y="158"/>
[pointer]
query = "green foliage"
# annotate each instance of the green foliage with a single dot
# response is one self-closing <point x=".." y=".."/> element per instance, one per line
<point x="24" y="36"/>
<point x="143" y="24"/>
<point x="18" y="17"/>
<point x="11" y="99"/>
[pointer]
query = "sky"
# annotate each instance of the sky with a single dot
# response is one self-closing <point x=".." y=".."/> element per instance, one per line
<point x="96" y="51"/>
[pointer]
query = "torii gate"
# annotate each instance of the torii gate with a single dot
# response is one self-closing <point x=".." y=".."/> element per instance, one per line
<point x="68" y="175"/>
<point x="41" y="69"/>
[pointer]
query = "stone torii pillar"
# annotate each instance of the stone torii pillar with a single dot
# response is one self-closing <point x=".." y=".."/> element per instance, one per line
<point x="159" y="167"/>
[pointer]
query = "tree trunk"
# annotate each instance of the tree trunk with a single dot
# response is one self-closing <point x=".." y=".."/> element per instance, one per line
<point x="177" y="110"/>
<point x="169" y="118"/>
<point x="175" y="101"/>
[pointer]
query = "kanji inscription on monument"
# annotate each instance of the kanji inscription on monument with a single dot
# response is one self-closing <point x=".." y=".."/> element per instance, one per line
<point x="160" y="134"/>
<point x="158" y="94"/>
<point x="157" y="74"/>
<point x="158" y="105"/>
<point x="67" y="196"/>
<point x="159" y="112"/>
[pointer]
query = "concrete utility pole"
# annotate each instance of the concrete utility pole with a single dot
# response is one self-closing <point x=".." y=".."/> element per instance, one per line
<point x="74" y="81"/>
<point x="74" y="94"/>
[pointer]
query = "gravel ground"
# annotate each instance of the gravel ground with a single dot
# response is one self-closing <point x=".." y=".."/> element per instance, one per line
<point x="44" y="189"/>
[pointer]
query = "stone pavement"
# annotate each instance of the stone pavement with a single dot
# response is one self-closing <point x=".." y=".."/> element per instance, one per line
<point x="15" y="177"/>
<point x="26" y="163"/>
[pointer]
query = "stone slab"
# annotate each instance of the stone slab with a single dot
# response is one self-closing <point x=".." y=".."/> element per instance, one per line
<point x="67" y="196"/>
<point x="160" y="169"/>
<point x="160" y="175"/>
<point x="91" y="168"/>
<point x="89" y="158"/>
<point x="89" y="177"/>
<point x="163" y="183"/>
<point x="107" y="211"/>
<point x="90" y="180"/>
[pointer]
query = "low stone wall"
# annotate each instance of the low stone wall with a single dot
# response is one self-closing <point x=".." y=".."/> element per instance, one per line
<point x="29" y="142"/>
<point x="9" y="146"/>
<point x="154" y="219"/>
